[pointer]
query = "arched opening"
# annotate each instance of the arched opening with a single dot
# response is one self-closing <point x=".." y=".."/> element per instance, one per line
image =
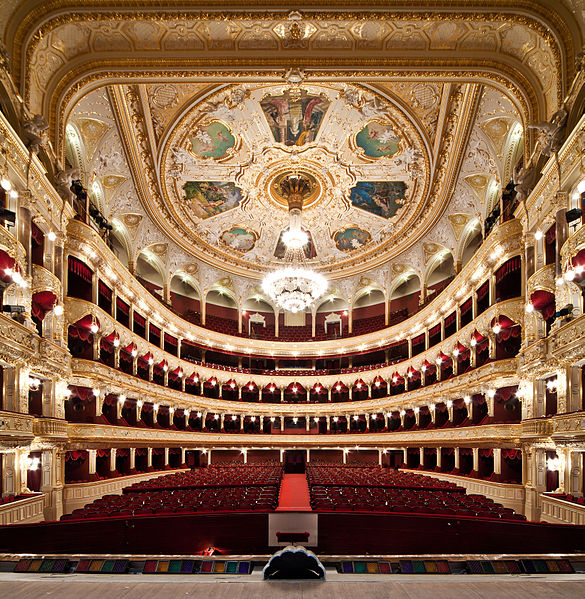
<point x="331" y="319"/>
<point x="440" y="275"/>
<point x="221" y="312"/>
<point x="118" y="247"/>
<point x="185" y="299"/>
<point x="258" y="319"/>
<point x="405" y="298"/>
<point x="369" y="312"/>
<point x="471" y="245"/>
<point x="149" y="276"/>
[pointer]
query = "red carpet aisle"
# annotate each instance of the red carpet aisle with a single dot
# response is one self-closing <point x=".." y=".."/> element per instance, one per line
<point x="294" y="494"/>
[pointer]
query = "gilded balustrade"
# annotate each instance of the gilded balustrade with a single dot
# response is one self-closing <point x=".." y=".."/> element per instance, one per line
<point x="85" y="242"/>
<point x="84" y="436"/>
<point x="492" y="375"/>
<point x="76" y="309"/>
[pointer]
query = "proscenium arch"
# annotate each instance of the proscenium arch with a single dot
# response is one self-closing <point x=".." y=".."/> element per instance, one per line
<point x="34" y="21"/>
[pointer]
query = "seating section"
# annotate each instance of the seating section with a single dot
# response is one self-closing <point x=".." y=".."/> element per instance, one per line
<point x="368" y="489"/>
<point x="11" y="498"/>
<point x="570" y="498"/>
<point x="236" y="488"/>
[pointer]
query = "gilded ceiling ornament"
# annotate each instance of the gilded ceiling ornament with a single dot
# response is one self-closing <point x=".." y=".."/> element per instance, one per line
<point x="458" y="222"/>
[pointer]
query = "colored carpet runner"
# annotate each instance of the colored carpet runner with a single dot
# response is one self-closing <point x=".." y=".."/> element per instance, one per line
<point x="294" y="494"/>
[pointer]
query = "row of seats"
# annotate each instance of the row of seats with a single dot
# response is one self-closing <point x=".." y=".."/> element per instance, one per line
<point x="234" y="475"/>
<point x="568" y="497"/>
<point x="374" y="489"/>
<point x="203" y="499"/>
<point x="374" y="475"/>
<point x="223" y="488"/>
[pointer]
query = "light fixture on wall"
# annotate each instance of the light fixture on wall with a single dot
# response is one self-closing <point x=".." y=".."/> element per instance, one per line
<point x="294" y="287"/>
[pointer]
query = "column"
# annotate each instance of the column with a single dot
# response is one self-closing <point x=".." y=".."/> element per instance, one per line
<point x="276" y="322"/>
<point x="539" y="394"/>
<point x="10" y="474"/>
<point x="183" y="452"/>
<point x="308" y="455"/>
<point x="489" y="401"/>
<point x="307" y="423"/>
<point x="92" y="456"/>
<point x="433" y="413"/>
<point x="575" y="473"/>
<point x="261" y="424"/>
<point x="112" y="460"/>
<point x="562" y="199"/>
<point x="439" y="462"/>
<point x="132" y="460"/>
<point x="313" y="321"/>
<point x="221" y="422"/>
<point x="492" y="344"/>
<point x="380" y="453"/>
<point x="497" y="464"/>
<point x="208" y="456"/>
<point x="15" y="382"/>
<point x="456" y="456"/>
<point x="421" y="457"/>
<point x="492" y="289"/>
<point x="349" y="318"/>
<point x="450" y="410"/>
<point x="166" y="457"/>
<point x="405" y="456"/>
<point x="329" y="394"/>
<point x="417" y="416"/>
<point x="24" y="225"/>
<point x="574" y="397"/>
<point x="59" y="262"/>
<point x="149" y="459"/>
<point x="242" y="418"/>
<point x="52" y="481"/>
<point x="475" y="470"/>
<point x="328" y="419"/>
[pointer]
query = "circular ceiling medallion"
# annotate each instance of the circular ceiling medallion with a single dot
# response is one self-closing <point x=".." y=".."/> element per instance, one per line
<point x="275" y="191"/>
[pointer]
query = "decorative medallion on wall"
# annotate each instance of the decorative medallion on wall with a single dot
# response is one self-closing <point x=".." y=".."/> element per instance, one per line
<point x="294" y="117"/>
<point x="351" y="238"/>
<point x="310" y="251"/>
<point x="214" y="140"/>
<point x="239" y="238"/>
<point x="209" y="198"/>
<point x="382" y="198"/>
<point x="377" y="140"/>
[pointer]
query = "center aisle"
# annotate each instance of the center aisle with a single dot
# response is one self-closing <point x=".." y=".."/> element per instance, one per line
<point x="294" y="494"/>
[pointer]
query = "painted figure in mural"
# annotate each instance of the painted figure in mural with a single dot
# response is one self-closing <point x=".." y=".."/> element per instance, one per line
<point x="382" y="198"/>
<point x="351" y="238"/>
<point x="239" y="239"/>
<point x="212" y="141"/>
<point x="294" y="120"/>
<point x="378" y="140"/>
<point x="208" y="198"/>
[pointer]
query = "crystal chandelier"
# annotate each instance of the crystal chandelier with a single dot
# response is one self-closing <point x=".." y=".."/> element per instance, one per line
<point x="294" y="287"/>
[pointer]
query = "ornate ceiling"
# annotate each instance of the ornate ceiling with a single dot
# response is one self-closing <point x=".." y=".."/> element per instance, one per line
<point x="407" y="120"/>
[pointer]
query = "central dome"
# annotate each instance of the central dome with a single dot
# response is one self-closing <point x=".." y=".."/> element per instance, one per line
<point x="226" y="162"/>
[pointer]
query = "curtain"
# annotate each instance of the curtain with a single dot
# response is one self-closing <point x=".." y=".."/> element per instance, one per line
<point x="80" y="269"/>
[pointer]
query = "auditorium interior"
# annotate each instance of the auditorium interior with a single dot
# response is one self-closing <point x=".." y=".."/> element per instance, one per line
<point x="292" y="291"/>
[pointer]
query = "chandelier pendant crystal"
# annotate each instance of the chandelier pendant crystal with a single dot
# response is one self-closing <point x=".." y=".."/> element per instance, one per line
<point x="294" y="287"/>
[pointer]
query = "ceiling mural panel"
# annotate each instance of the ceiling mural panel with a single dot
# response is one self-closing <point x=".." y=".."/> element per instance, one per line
<point x="383" y="198"/>
<point x="295" y="116"/>
<point x="209" y="198"/>
<point x="214" y="140"/>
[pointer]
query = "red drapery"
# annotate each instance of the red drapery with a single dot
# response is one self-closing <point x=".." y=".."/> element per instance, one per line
<point x="511" y="454"/>
<point x="105" y="290"/>
<point x="74" y="456"/>
<point x="483" y="291"/>
<point x="511" y="266"/>
<point x="80" y="269"/>
<point x="43" y="302"/>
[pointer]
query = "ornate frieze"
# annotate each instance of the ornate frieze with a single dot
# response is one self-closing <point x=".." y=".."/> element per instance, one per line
<point x="16" y="430"/>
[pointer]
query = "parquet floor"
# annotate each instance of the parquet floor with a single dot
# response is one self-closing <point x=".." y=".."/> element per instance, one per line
<point x="252" y="587"/>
